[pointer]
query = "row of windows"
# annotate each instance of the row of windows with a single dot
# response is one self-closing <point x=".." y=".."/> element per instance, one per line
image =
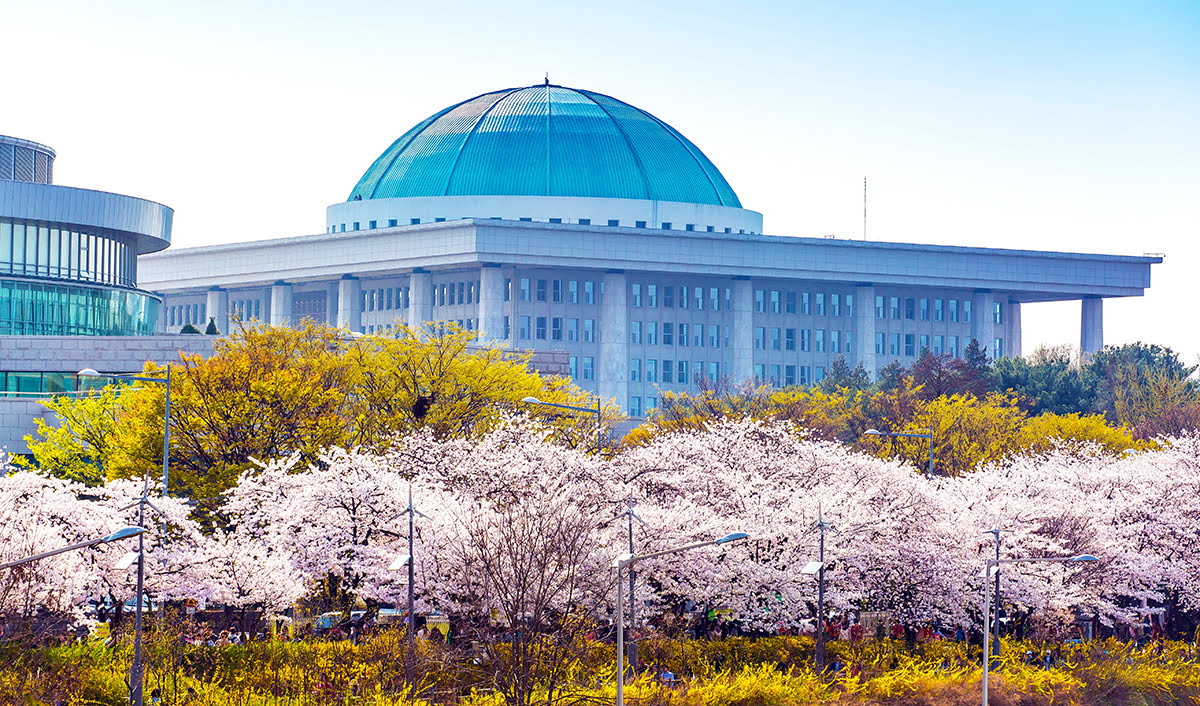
<point x="391" y="298"/>
<point x="776" y="301"/>
<point x="674" y="372"/>
<point x="934" y="344"/>
<point x="28" y="308"/>
<point x="554" y="290"/>
<point x="44" y="382"/>
<point x="560" y="328"/>
<point x="184" y="314"/>
<point x="698" y="334"/>
<point x="808" y="340"/>
<point x="586" y="371"/>
<point x="788" y="375"/>
<point x="44" y="251"/>
<point x="611" y="222"/>
<point x="941" y="310"/>
<point x="693" y="297"/>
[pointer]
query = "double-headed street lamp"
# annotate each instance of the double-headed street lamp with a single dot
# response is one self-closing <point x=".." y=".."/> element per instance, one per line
<point x="410" y="562"/>
<point x="629" y="560"/>
<point x="818" y="567"/>
<point x="589" y="410"/>
<point x="895" y="434"/>
<point x="123" y="533"/>
<point x="135" y="672"/>
<point x="995" y="564"/>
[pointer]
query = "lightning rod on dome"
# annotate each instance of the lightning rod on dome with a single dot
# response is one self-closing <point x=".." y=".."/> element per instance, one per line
<point x="864" y="208"/>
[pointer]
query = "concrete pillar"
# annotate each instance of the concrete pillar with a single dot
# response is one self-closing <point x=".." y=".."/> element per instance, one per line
<point x="864" y="328"/>
<point x="982" y="327"/>
<point x="491" y="304"/>
<point x="1091" y="325"/>
<point x="1014" y="329"/>
<point x="613" y="370"/>
<point x="420" y="300"/>
<point x="281" y="304"/>
<point x="349" y="311"/>
<point x="217" y="306"/>
<point x="741" y="331"/>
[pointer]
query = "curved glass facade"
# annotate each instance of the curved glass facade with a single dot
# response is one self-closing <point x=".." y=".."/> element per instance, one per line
<point x="65" y="310"/>
<point x="39" y="250"/>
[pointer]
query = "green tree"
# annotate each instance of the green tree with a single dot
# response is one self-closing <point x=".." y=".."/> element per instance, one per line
<point x="1048" y="381"/>
<point x="840" y="376"/>
<point x="77" y="447"/>
<point x="1133" y="375"/>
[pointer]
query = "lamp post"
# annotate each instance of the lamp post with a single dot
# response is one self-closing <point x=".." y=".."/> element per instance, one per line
<point x="135" y="671"/>
<point x="123" y="533"/>
<point x="995" y="564"/>
<point x="398" y="564"/>
<point x="629" y="560"/>
<point x="630" y="515"/>
<point x="895" y="434"/>
<point x="818" y="568"/>
<point x="589" y="410"/>
<point x="996" y="619"/>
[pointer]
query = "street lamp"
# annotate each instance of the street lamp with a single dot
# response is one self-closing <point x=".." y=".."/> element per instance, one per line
<point x="818" y="567"/>
<point x="629" y="560"/>
<point x="135" y="671"/>
<point x="996" y="620"/>
<point x="123" y="533"/>
<point x="995" y="564"/>
<point x="895" y="434"/>
<point x="589" y="410"/>
<point x="398" y="564"/>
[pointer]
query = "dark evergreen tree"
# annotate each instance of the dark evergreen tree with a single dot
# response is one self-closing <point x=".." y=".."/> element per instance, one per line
<point x="841" y="376"/>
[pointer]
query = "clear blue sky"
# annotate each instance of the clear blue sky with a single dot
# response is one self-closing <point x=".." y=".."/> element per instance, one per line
<point x="1052" y="125"/>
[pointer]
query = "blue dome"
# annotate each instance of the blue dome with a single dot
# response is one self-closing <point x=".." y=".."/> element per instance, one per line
<point x="545" y="141"/>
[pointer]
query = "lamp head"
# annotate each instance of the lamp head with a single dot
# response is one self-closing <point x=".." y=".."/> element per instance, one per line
<point x="621" y="559"/>
<point x="872" y="432"/>
<point x="733" y="537"/>
<point x="88" y="373"/>
<point x="400" y="562"/>
<point x="127" y="561"/>
<point x="531" y="400"/>
<point x="123" y="533"/>
<point x="1083" y="557"/>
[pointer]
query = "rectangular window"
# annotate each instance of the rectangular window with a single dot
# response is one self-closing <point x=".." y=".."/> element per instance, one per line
<point x="540" y="330"/>
<point x="635" y="332"/>
<point x="714" y="336"/>
<point x="635" y="370"/>
<point x="760" y="301"/>
<point x="585" y="221"/>
<point x="714" y="299"/>
<point x="773" y="371"/>
<point x="635" y="406"/>
<point x="820" y="303"/>
<point x="878" y="344"/>
<point x="681" y="373"/>
<point x="668" y="371"/>
<point x="879" y="311"/>
<point x="805" y="340"/>
<point x="789" y="339"/>
<point x="651" y="295"/>
<point x="668" y="333"/>
<point x="997" y="313"/>
<point x="541" y="290"/>
<point x="698" y="294"/>
<point x="849" y="305"/>
<point x="909" y="345"/>
<point x="572" y="329"/>
<point x="953" y="306"/>
<point x="835" y="341"/>
<point x="775" y="301"/>
<point x="507" y="328"/>
<point x="668" y="297"/>
<point x="847" y="342"/>
<point x="683" y="335"/>
<point x="952" y="345"/>
<point x="939" y="310"/>
<point x="997" y="348"/>
<point x="614" y="222"/>
<point x="698" y="335"/>
<point x="589" y="292"/>
<point x="524" y="330"/>
<point x="725" y="336"/>
<point x="556" y="328"/>
<point x="966" y="311"/>
<point x="805" y="303"/>
<point x="462" y="290"/>
<point x="789" y="375"/>
<point x="910" y="308"/>
<point x="760" y="372"/>
<point x="651" y="370"/>
<point x="589" y="330"/>
<point x="683" y="297"/>
<point x="524" y="289"/>
<point x="789" y="303"/>
<point x="819" y="339"/>
<point x="556" y="291"/>
<point x="924" y="309"/>
<point x="760" y="337"/>
<point x="805" y="375"/>
<point x="818" y="374"/>
<point x="894" y="344"/>
<point x="573" y="292"/>
<point x="894" y="307"/>
<point x="924" y="342"/>
<point x="651" y="333"/>
<point x="639" y="224"/>
<point x="776" y="339"/>
<point x="589" y="364"/>
<point x="635" y="294"/>
<point x="938" y="344"/>
<point x="835" y="305"/>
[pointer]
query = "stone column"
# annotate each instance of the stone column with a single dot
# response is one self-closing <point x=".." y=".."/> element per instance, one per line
<point x="491" y="304"/>
<point x="281" y="304"/>
<point x="741" y="331"/>
<point x="349" y="312"/>
<point x="420" y="300"/>
<point x="864" y="328"/>
<point x="1091" y="328"/>
<point x="217" y="305"/>
<point x="613" y="373"/>
<point x="982" y="328"/>
<point x="1014" y="328"/>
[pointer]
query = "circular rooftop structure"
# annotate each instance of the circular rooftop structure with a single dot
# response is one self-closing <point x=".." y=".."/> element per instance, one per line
<point x="545" y="140"/>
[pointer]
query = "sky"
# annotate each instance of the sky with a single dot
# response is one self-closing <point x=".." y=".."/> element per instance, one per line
<point x="1069" y="126"/>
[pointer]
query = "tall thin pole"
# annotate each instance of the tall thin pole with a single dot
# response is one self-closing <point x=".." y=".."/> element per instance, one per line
<point x="996" y="644"/>
<point x="864" y="208"/>
<point x="987" y="599"/>
<point x="929" y="475"/>
<point x="620" y="639"/>
<point x="135" y="671"/>
<point x="599" y="428"/>
<point x="166" y="431"/>
<point x="412" y="560"/>
<point x="632" y="602"/>
<point x="821" y="597"/>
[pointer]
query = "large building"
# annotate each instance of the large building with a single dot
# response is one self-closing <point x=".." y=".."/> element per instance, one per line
<point x="547" y="217"/>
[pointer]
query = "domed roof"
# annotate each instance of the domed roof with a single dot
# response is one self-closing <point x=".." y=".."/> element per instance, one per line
<point x="545" y="140"/>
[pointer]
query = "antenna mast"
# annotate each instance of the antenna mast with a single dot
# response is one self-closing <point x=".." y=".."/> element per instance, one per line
<point x="864" y="208"/>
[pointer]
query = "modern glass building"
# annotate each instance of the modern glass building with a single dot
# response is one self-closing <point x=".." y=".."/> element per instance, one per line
<point x="68" y="256"/>
<point x="552" y="218"/>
